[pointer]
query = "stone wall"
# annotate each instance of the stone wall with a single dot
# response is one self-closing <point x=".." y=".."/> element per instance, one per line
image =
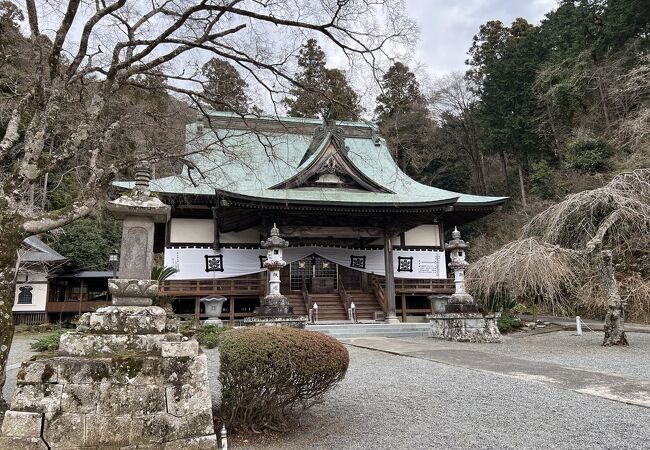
<point x="126" y="379"/>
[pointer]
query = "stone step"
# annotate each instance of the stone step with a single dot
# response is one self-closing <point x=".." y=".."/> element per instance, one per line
<point x="344" y="331"/>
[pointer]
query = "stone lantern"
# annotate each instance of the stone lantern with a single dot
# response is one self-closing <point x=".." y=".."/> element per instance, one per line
<point x="274" y="262"/>
<point x="461" y="320"/>
<point x="274" y="308"/>
<point x="460" y="300"/>
<point x="213" y="307"/>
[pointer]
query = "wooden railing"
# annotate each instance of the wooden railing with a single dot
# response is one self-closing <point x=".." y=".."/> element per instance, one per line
<point x="380" y="295"/>
<point x="74" y="307"/>
<point x="246" y="285"/>
<point x="346" y="299"/>
<point x="414" y="286"/>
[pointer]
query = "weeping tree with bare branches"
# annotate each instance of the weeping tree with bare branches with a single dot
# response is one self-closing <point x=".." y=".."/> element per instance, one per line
<point x="566" y="252"/>
<point x="88" y="55"/>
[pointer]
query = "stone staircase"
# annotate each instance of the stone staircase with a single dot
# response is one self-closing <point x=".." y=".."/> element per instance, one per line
<point x="359" y="330"/>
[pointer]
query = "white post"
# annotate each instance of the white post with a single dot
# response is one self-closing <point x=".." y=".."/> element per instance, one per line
<point x="578" y="326"/>
<point x="224" y="438"/>
<point x="353" y="312"/>
<point x="315" y="307"/>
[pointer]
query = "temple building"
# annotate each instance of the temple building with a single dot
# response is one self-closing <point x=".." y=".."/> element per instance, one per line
<point x="359" y="229"/>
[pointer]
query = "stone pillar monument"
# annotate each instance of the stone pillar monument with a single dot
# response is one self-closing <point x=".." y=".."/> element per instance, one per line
<point x="126" y="378"/>
<point x="462" y="320"/>
<point x="274" y="308"/>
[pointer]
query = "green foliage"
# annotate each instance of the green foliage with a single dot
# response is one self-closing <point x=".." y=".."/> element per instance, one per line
<point x="404" y="119"/>
<point x="542" y="180"/>
<point x="48" y="343"/>
<point x="161" y="273"/>
<point x="519" y="308"/>
<point x="225" y="88"/>
<point x="589" y="153"/>
<point x="88" y="242"/>
<point x="497" y="301"/>
<point x="320" y="88"/>
<point x="508" y="323"/>
<point x="209" y="335"/>
<point x="271" y="374"/>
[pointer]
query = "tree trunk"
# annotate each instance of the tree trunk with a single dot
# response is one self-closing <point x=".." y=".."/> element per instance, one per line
<point x="522" y="186"/>
<point x="615" y="319"/>
<point x="504" y="165"/>
<point x="9" y="245"/>
<point x="556" y="138"/>
<point x="603" y="98"/>
<point x="481" y="171"/>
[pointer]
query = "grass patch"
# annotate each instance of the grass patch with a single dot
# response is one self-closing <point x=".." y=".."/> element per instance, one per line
<point x="49" y="342"/>
<point x="209" y="335"/>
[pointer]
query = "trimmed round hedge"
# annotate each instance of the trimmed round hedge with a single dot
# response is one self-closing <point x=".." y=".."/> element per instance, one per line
<point x="269" y="375"/>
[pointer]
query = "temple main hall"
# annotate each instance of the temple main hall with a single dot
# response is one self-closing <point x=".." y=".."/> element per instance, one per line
<point x="360" y="230"/>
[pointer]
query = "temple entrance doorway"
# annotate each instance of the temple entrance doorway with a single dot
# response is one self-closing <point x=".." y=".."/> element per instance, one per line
<point x="318" y="274"/>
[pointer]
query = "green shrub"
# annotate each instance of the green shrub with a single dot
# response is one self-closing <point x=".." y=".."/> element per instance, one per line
<point x="270" y="375"/>
<point x="508" y="323"/>
<point x="542" y="180"/>
<point x="589" y="153"/>
<point x="519" y="308"/>
<point x="208" y="335"/>
<point x="497" y="301"/>
<point x="48" y="343"/>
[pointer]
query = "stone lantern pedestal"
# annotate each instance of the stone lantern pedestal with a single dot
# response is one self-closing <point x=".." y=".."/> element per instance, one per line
<point x="461" y="320"/>
<point x="274" y="308"/>
<point x="126" y="378"/>
<point x="213" y="307"/>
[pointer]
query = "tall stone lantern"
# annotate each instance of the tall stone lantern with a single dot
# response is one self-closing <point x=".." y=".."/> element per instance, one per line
<point x="461" y="321"/>
<point x="126" y="377"/>
<point x="274" y="308"/>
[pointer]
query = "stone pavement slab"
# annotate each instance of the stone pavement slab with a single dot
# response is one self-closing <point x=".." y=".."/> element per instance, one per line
<point x="619" y="388"/>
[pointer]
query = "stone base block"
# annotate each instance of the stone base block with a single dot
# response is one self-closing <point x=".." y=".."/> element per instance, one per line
<point x="126" y="320"/>
<point x="277" y="321"/>
<point x="124" y="381"/>
<point x="464" y="327"/>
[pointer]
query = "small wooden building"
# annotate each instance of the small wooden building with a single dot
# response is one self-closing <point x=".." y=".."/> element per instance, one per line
<point x="360" y="230"/>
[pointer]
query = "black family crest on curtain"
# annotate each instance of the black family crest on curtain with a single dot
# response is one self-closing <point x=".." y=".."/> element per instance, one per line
<point x="405" y="264"/>
<point x="214" y="263"/>
<point x="262" y="260"/>
<point x="358" y="262"/>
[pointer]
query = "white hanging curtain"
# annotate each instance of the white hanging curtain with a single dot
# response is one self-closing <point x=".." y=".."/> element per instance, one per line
<point x="202" y="263"/>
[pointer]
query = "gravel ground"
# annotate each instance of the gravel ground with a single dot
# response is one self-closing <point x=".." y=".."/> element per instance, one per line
<point x="395" y="402"/>
<point x="20" y="351"/>
<point x="564" y="348"/>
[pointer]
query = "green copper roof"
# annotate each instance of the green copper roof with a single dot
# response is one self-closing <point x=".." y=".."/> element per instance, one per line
<point x="237" y="162"/>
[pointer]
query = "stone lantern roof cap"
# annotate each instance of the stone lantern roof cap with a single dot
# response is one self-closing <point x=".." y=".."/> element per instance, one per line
<point x="456" y="242"/>
<point x="274" y="240"/>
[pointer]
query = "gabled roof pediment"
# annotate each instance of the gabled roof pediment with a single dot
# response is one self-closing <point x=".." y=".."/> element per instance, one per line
<point x="326" y="164"/>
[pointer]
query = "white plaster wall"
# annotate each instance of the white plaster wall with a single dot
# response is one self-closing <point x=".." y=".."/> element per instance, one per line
<point x="424" y="235"/>
<point x="201" y="231"/>
<point x="39" y="297"/>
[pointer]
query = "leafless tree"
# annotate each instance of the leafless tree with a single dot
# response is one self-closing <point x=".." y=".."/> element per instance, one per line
<point x="454" y="104"/>
<point x="568" y="249"/>
<point x="89" y="53"/>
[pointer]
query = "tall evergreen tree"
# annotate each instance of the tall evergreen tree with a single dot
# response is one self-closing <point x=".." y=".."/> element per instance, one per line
<point x="504" y="62"/>
<point x="404" y="119"/>
<point x="224" y="87"/>
<point x="320" y="88"/>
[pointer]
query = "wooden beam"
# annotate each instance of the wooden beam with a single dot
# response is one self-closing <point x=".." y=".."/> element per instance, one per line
<point x="391" y="317"/>
<point x="197" y="310"/>
<point x="231" y="318"/>
<point x="403" y="298"/>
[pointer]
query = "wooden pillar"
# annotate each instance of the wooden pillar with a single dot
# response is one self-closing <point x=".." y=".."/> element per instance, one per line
<point x="197" y="310"/>
<point x="391" y="317"/>
<point x="403" y="308"/>
<point x="231" y="312"/>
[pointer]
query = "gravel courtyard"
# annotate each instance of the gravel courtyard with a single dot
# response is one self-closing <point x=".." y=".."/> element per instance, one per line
<point x="396" y="402"/>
